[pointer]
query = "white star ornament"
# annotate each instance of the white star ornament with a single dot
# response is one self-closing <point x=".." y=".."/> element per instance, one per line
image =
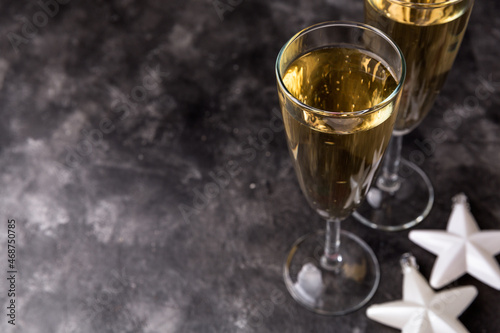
<point x="462" y="248"/>
<point x="421" y="310"/>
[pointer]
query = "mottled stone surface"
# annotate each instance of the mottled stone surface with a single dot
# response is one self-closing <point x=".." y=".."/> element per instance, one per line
<point x="115" y="115"/>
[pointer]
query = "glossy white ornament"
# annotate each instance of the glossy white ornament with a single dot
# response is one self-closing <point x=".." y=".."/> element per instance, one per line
<point x="462" y="248"/>
<point x="421" y="310"/>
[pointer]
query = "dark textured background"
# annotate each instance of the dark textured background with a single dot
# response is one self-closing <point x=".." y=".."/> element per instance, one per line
<point x="115" y="115"/>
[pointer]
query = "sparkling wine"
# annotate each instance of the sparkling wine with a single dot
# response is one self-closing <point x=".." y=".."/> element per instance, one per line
<point x="429" y="36"/>
<point x="335" y="158"/>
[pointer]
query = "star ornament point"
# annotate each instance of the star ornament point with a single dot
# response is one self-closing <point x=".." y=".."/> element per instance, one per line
<point x="422" y="310"/>
<point x="462" y="248"/>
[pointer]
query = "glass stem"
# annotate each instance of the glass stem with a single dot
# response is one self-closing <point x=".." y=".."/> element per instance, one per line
<point x="332" y="259"/>
<point x="389" y="180"/>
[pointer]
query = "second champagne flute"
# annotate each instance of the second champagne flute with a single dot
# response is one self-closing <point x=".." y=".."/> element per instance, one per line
<point x="429" y="32"/>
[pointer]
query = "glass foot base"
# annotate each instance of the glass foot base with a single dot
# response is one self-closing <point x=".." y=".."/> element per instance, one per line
<point x="331" y="291"/>
<point x="402" y="209"/>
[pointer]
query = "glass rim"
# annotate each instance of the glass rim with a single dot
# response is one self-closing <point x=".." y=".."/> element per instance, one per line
<point x="350" y="114"/>
<point x="418" y="5"/>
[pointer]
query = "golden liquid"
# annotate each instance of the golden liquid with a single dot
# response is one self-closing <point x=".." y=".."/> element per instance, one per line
<point x="335" y="158"/>
<point x="429" y="39"/>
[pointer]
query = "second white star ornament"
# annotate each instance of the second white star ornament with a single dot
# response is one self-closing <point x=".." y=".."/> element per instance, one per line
<point x="421" y="310"/>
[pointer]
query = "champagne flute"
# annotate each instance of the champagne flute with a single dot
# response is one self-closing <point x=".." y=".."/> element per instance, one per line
<point x="339" y="85"/>
<point x="429" y="32"/>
